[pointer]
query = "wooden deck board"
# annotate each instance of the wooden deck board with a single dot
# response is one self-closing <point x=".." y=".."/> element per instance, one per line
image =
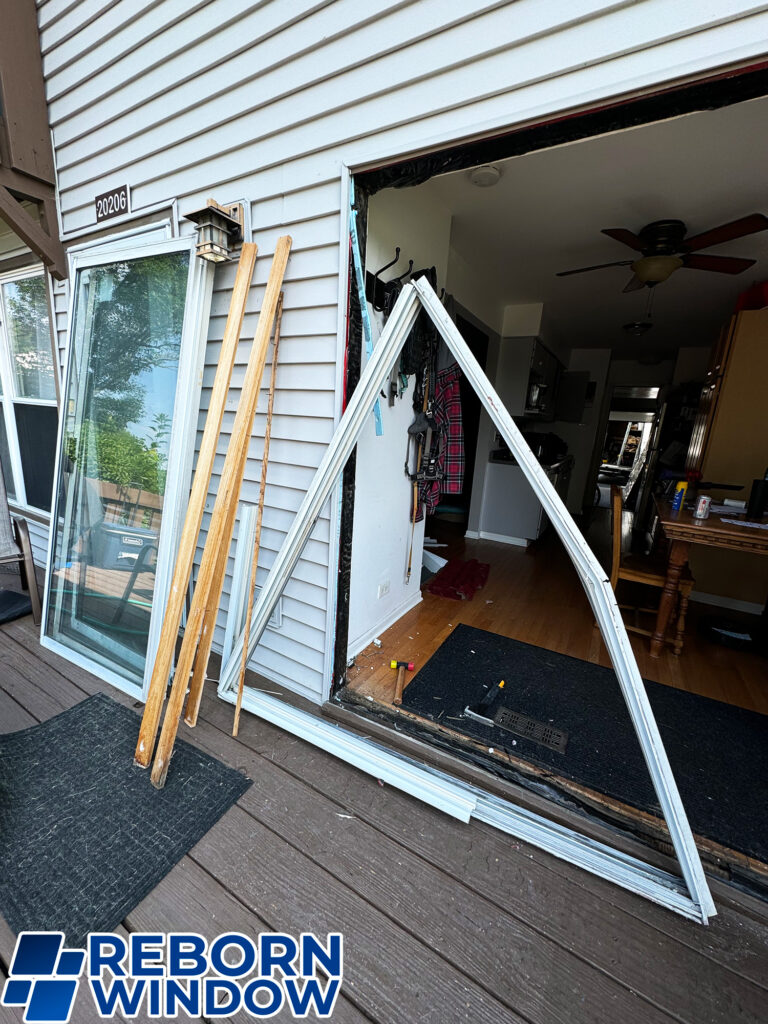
<point x="191" y="895"/>
<point x="480" y="857"/>
<point x="442" y="921"/>
<point x="383" y="961"/>
<point x="524" y="968"/>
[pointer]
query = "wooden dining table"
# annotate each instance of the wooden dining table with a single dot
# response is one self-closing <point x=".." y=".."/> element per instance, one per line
<point x="682" y="529"/>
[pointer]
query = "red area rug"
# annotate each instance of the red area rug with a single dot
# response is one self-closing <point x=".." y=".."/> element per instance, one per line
<point x="459" y="580"/>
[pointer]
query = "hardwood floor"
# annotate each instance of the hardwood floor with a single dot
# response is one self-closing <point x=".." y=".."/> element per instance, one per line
<point x="534" y="595"/>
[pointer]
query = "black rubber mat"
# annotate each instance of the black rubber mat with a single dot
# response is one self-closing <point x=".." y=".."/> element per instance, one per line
<point x="718" y="753"/>
<point x="13" y="605"/>
<point x="84" y="836"/>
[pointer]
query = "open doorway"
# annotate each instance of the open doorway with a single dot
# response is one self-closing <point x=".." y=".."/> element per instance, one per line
<point x="600" y="402"/>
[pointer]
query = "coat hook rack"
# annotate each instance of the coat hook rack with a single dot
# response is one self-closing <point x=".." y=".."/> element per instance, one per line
<point x="376" y="288"/>
<point x="407" y="272"/>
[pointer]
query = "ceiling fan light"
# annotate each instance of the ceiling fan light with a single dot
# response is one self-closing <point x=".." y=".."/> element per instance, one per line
<point x="655" y="269"/>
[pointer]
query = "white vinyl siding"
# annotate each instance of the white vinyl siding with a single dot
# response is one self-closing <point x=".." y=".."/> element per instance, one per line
<point x="231" y="98"/>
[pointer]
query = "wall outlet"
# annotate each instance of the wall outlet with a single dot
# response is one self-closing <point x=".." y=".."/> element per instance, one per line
<point x="383" y="589"/>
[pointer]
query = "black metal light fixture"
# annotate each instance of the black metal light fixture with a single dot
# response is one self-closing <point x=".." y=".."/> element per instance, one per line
<point x="637" y="328"/>
<point x="219" y="229"/>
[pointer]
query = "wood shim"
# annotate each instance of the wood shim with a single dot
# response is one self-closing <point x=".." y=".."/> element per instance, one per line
<point x="210" y="577"/>
<point x="259" y="514"/>
<point x="182" y="569"/>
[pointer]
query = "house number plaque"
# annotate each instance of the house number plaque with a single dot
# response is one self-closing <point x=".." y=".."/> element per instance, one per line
<point x="113" y="203"/>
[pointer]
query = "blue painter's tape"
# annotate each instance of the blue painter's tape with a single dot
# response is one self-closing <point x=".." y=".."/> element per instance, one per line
<point x="367" y="332"/>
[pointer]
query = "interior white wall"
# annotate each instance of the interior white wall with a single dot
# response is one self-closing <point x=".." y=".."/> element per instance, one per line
<point x="637" y="374"/>
<point x="472" y="289"/>
<point x="381" y="535"/>
<point x="691" y="364"/>
<point x="523" y="319"/>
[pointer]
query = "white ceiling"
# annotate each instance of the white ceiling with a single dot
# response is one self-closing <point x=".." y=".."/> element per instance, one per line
<point x="546" y="212"/>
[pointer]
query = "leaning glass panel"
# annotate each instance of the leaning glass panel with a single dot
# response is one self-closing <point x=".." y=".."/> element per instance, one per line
<point x="113" y="457"/>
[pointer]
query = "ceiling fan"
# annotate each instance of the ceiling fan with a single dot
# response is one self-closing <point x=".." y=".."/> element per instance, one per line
<point x="665" y="249"/>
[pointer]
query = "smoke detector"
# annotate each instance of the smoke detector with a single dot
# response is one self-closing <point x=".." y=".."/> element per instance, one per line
<point x="485" y="176"/>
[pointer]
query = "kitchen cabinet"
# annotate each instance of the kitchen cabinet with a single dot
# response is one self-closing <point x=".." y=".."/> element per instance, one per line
<point x="735" y="449"/>
<point x="527" y="378"/>
<point x="729" y="446"/>
<point x="728" y="441"/>
<point x="543" y="378"/>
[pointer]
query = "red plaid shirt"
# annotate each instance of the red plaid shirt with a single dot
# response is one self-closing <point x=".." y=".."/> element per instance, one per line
<point x="447" y="442"/>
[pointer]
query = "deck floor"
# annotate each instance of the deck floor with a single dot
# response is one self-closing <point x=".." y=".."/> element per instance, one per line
<point x="443" y="922"/>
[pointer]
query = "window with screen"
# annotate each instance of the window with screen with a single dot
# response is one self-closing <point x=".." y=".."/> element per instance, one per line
<point x="28" y="413"/>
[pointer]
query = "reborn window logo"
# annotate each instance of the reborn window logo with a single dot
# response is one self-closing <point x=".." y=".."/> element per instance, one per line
<point x="43" y="977"/>
<point x="164" y="973"/>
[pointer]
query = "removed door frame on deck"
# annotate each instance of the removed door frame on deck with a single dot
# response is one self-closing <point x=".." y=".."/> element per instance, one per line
<point x="692" y="898"/>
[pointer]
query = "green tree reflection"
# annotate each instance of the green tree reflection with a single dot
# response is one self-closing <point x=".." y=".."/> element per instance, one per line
<point x="138" y="314"/>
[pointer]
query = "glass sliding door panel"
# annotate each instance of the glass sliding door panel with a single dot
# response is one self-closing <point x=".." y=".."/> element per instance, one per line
<point x="113" y="457"/>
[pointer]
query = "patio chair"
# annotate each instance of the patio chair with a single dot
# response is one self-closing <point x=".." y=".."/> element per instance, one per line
<point x="15" y="547"/>
<point x="649" y="571"/>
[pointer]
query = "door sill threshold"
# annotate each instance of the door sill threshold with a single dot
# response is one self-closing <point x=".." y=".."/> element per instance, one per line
<point x="741" y="878"/>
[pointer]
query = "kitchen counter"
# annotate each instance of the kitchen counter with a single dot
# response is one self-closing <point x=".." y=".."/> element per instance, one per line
<point x="508" y="459"/>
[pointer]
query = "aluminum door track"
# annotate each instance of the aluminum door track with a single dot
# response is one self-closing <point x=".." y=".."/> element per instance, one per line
<point x="632" y="874"/>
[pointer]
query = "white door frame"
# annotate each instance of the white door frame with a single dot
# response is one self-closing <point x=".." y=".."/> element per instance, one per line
<point x="689" y="896"/>
<point x="182" y="440"/>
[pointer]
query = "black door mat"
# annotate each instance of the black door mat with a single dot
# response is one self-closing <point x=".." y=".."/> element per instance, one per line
<point x="13" y="605"/>
<point x="718" y="753"/>
<point x="84" y="836"/>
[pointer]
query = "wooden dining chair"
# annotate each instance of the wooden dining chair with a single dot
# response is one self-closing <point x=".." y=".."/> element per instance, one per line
<point x="647" y="570"/>
<point x="15" y="547"/>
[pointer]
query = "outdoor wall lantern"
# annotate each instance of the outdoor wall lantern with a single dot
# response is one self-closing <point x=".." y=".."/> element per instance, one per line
<point x="219" y="229"/>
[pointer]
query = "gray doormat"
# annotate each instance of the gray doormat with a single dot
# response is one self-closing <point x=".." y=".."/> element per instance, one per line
<point x="84" y="836"/>
<point x="13" y="605"/>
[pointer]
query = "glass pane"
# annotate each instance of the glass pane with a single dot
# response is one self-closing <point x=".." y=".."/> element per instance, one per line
<point x="26" y="312"/>
<point x="119" y="403"/>
<point x="5" y="456"/>
<point x="36" y="427"/>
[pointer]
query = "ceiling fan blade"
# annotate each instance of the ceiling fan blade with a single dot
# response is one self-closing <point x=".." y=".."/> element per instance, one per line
<point x="597" y="266"/>
<point x="634" y="284"/>
<point x="727" y="232"/>
<point x="625" y="236"/>
<point x="719" y="264"/>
